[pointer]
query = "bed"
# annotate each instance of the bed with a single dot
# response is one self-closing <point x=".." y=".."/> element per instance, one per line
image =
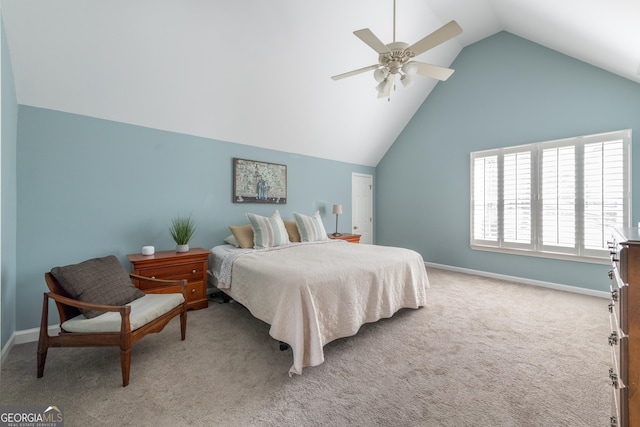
<point x="312" y="293"/>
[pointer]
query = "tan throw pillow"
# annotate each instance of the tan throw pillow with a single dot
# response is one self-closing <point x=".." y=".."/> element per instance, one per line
<point x="292" y="229"/>
<point x="243" y="235"/>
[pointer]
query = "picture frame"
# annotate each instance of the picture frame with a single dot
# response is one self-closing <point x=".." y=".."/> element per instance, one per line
<point x="259" y="182"/>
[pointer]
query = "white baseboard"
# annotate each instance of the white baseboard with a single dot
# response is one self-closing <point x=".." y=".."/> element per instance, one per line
<point x="7" y="348"/>
<point x="23" y="337"/>
<point x="551" y="285"/>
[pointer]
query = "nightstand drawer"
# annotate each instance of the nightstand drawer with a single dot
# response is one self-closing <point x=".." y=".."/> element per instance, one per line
<point x="192" y="272"/>
<point x="196" y="291"/>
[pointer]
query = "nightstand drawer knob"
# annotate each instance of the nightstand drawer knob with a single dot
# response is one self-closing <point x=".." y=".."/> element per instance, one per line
<point x="193" y="291"/>
<point x="153" y="277"/>
<point x="193" y="271"/>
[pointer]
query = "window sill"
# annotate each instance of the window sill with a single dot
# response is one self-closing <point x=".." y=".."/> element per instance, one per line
<point x="551" y="255"/>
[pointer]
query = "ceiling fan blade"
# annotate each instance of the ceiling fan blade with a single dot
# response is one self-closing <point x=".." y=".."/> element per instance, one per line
<point x="439" y="36"/>
<point x="434" y="71"/>
<point x="374" y="42"/>
<point x="354" y="72"/>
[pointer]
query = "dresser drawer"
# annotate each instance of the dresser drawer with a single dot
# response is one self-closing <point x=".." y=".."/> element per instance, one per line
<point x="619" y="374"/>
<point x="618" y="304"/>
<point x="618" y="407"/>
<point x="193" y="272"/>
<point x="619" y="390"/>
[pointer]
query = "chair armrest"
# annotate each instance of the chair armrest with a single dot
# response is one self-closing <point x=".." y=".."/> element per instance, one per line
<point x="156" y="282"/>
<point x="154" y="286"/>
<point x="123" y="309"/>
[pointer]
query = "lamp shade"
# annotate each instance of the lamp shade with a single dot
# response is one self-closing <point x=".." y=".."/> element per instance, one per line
<point x="337" y="209"/>
<point x="410" y="68"/>
<point x="383" y="86"/>
<point x="406" y="80"/>
<point x="380" y="74"/>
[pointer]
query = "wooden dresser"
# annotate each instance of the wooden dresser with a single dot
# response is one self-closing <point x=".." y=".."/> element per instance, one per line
<point x="352" y="238"/>
<point x="172" y="265"/>
<point x="624" y="314"/>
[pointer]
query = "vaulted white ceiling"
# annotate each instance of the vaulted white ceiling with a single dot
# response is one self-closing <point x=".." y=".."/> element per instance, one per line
<point x="258" y="72"/>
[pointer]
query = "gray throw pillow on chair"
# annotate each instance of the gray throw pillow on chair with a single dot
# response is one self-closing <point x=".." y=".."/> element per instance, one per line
<point x="98" y="281"/>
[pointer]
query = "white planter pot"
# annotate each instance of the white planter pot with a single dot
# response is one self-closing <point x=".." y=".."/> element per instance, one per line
<point x="182" y="248"/>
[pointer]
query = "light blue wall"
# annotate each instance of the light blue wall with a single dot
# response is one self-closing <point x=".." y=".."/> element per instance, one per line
<point x="90" y="187"/>
<point x="9" y="197"/>
<point x="505" y="91"/>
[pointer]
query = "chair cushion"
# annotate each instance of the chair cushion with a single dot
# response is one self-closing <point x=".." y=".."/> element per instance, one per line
<point x="98" y="281"/>
<point x="143" y="311"/>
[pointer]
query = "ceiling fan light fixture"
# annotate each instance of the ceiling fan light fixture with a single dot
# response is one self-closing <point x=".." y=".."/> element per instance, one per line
<point x="380" y="74"/>
<point x="382" y="86"/>
<point x="406" y="80"/>
<point x="410" y="68"/>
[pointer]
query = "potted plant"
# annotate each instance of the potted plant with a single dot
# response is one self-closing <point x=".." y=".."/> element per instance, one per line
<point x="182" y="229"/>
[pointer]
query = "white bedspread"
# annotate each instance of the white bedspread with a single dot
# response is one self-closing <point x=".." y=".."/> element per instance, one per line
<point x="314" y="293"/>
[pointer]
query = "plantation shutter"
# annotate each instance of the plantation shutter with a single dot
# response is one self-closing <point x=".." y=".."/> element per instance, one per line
<point x="517" y="197"/>
<point x="558" y="197"/>
<point x="604" y="190"/>
<point x="485" y="198"/>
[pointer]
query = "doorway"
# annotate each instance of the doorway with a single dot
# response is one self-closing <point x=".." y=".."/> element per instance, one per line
<point x="362" y="206"/>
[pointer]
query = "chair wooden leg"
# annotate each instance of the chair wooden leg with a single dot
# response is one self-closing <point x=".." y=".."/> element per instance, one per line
<point x="43" y="340"/>
<point x="125" y="363"/>
<point x="42" y="358"/>
<point x="183" y="325"/>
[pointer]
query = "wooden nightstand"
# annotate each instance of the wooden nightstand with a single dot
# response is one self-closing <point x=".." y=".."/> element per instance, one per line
<point x="190" y="265"/>
<point x="352" y="238"/>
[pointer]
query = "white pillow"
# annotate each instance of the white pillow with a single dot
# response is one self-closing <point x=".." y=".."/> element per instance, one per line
<point x="268" y="231"/>
<point x="232" y="241"/>
<point x="311" y="227"/>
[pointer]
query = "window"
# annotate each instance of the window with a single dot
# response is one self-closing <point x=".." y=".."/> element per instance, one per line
<point x="555" y="198"/>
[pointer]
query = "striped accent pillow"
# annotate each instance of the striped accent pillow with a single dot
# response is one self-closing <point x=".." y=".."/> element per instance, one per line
<point x="268" y="231"/>
<point x="311" y="227"/>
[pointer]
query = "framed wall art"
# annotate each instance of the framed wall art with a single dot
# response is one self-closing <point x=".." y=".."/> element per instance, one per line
<point x="259" y="182"/>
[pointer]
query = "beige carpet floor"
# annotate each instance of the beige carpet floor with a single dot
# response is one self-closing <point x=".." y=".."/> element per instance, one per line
<point x="483" y="352"/>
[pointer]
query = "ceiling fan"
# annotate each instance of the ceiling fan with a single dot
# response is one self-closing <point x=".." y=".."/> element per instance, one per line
<point x="396" y="58"/>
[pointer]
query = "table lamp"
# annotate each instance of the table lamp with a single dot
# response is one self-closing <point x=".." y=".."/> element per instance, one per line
<point x="337" y="210"/>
